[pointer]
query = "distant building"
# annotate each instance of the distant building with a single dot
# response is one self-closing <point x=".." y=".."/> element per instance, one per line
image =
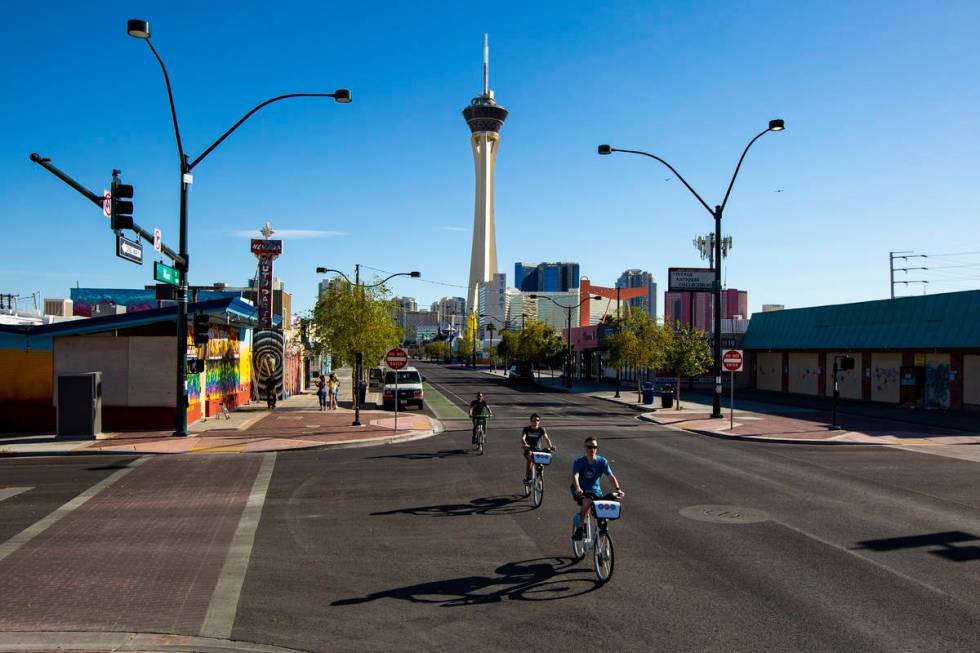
<point x="494" y="302"/>
<point x="327" y="284"/>
<point x="768" y="308"/>
<point x="406" y="303"/>
<point x="640" y="279"/>
<point x="448" y="306"/>
<point x="697" y="308"/>
<point x="415" y="322"/>
<point x="546" y="277"/>
<point x="58" y="307"/>
<point x="555" y="313"/>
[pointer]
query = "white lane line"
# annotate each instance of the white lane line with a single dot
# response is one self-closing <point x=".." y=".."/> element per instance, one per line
<point x="8" y="492"/>
<point x="35" y="529"/>
<point x="224" y="601"/>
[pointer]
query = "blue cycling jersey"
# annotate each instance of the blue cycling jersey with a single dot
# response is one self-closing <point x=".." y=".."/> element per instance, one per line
<point x="590" y="474"/>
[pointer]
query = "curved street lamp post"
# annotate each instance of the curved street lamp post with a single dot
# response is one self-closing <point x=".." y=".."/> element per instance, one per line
<point x="568" y="362"/>
<point x="716" y="213"/>
<point x="140" y="29"/>
<point x="359" y="289"/>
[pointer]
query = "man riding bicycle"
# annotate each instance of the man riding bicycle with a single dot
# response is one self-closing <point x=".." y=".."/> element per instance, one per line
<point x="587" y="473"/>
<point x="531" y="440"/>
<point x="479" y="410"/>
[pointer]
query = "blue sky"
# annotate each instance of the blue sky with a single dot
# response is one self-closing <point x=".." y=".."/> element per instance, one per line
<point x="880" y="101"/>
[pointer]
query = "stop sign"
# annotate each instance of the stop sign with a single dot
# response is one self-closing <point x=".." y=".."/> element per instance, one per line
<point x="732" y="360"/>
<point x="396" y="358"/>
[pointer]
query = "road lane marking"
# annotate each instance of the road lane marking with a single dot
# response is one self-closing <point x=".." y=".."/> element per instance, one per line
<point x="8" y="492"/>
<point x="443" y="407"/>
<point x="224" y="601"/>
<point x="35" y="529"/>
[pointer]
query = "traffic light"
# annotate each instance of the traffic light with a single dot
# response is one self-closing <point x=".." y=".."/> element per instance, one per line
<point x="846" y="363"/>
<point x="201" y="322"/>
<point x="120" y="206"/>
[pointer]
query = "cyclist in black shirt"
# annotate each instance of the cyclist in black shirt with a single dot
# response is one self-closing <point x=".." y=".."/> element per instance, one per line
<point x="531" y="439"/>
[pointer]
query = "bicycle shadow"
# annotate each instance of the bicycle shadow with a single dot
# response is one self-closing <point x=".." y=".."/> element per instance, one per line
<point x="424" y="455"/>
<point x="502" y="505"/>
<point x="539" y="579"/>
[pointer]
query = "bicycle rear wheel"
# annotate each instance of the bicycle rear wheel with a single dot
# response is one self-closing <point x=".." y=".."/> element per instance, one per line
<point x="603" y="556"/>
<point x="537" y="491"/>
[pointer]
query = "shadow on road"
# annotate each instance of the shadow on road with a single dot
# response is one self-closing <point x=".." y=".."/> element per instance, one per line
<point x="541" y="579"/>
<point x="424" y="455"/>
<point x="945" y="541"/>
<point x="503" y="505"/>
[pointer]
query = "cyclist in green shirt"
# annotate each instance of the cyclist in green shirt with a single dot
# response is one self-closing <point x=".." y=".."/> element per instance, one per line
<point x="479" y="409"/>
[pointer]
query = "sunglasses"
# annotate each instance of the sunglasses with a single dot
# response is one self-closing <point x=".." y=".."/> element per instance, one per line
<point x="591" y="446"/>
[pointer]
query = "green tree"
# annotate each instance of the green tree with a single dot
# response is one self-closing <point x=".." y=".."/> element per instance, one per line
<point x="349" y="320"/>
<point x="438" y="349"/>
<point x="638" y="342"/>
<point x="688" y="353"/>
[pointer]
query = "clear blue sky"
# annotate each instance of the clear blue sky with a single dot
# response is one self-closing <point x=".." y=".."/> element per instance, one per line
<point x="880" y="152"/>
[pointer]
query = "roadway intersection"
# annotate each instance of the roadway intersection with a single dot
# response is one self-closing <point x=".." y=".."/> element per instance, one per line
<point x="723" y="545"/>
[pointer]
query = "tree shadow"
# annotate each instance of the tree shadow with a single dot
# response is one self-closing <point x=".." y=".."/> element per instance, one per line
<point x="540" y="579"/>
<point x="945" y="540"/>
<point x="424" y="455"/>
<point x="503" y="505"/>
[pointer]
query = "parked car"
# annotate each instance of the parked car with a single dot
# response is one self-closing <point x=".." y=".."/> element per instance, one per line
<point x="520" y="374"/>
<point x="409" y="388"/>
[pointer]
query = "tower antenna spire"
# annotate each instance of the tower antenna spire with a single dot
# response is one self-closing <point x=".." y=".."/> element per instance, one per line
<point x="486" y="65"/>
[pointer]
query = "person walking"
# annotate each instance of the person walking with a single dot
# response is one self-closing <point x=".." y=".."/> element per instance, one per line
<point x="333" y="386"/>
<point x="321" y="392"/>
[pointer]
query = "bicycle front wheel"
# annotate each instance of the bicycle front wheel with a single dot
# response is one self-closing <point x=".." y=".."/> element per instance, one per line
<point x="603" y="556"/>
<point x="537" y="491"/>
<point x="482" y="440"/>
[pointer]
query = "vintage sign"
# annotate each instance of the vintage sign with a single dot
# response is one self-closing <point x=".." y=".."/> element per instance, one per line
<point x="690" y="279"/>
<point x="266" y="250"/>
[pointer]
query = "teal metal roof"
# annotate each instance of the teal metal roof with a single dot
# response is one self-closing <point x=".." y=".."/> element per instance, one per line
<point x="943" y="321"/>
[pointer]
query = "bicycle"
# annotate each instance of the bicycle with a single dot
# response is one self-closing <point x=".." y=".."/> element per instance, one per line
<point x="596" y="535"/>
<point x="480" y="431"/>
<point x="535" y="485"/>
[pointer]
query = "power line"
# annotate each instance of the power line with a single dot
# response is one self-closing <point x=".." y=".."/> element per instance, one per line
<point x="437" y="283"/>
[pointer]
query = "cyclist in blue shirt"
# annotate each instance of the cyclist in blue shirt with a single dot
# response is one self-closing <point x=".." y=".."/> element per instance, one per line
<point x="587" y="473"/>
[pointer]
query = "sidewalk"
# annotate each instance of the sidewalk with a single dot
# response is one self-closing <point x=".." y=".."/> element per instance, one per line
<point x="785" y="423"/>
<point x="296" y="423"/>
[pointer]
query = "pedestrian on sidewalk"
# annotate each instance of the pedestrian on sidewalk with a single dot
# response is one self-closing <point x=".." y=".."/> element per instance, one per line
<point x="333" y="385"/>
<point x="321" y="392"/>
<point x="270" y="395"/>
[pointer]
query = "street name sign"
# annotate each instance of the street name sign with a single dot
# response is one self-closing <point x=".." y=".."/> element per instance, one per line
<point x="396" y="358"/>
<point x="732" y="360"/>
<point x="129" y="249"/>
<point x="690" y="279"/>
<point x="165" y="274"/>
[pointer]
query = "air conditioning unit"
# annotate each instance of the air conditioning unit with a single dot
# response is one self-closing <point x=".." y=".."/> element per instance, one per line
<point x="59" y="307"/>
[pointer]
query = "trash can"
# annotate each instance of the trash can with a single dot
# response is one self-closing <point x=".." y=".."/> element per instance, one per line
<point x="666" y="396"/>
<point x="647" y="389"/>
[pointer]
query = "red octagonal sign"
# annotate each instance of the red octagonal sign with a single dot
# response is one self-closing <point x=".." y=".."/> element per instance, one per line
<point x="732" y="360"/>
<point x="396" y="358"/>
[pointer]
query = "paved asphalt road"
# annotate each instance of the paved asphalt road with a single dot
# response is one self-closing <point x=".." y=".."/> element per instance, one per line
<point x="723" y="546"/>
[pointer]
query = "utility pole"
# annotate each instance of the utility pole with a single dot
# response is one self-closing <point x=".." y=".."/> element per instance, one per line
<point x="905" y="256"/>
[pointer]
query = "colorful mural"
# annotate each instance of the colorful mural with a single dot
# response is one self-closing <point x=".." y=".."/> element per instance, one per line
<point x="223" y="381"/>
<point x="26" y="386"/>
<point x="84" y="299"/>
<point x="268" y="354"/>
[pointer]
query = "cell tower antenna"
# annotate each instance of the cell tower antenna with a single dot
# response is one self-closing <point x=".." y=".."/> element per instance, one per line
<point x="486" y="65"/>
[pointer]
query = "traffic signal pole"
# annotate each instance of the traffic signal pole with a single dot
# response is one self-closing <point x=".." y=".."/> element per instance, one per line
<point x="45" y="163"/>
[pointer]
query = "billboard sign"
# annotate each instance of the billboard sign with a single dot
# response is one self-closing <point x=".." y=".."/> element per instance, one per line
<point x="690" y="279"/>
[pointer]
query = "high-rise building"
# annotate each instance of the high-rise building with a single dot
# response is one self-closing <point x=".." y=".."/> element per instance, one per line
<point x="406" y="303"/>
<point x="555" y="313"/>
<point x="697" y="308"/>
<point x="485" y="118"/>
<point x="640" y="279"/>
<point x="546" y="277"/>
<point x="448" y="306"/>
<point x="493" y="302"/>
<point x="769" y="308"/>
<point x="326" y="284"/>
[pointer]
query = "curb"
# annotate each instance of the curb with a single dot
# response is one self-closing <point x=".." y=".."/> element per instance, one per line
<point x="761" y="440"/>
<point x="437" y="428"/>
<point x="122" y="641"/>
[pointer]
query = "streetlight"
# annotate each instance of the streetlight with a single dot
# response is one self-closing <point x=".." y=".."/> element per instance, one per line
<point x="491" y="328"/>
<point x="140" y="29"/>
<point x="359" y="290"/>
<point x="776" y="125"/>
<point x="568" y="373"/>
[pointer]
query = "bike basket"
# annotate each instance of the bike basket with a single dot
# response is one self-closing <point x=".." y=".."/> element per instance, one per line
<point x="605" y="509"/>
<point x="541" y="457"/>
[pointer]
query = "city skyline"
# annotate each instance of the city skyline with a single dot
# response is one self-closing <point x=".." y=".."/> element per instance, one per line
<point x="813" y="227"/>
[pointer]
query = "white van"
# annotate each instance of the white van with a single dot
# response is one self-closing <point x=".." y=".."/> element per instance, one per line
<point x="409" y="388"/>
